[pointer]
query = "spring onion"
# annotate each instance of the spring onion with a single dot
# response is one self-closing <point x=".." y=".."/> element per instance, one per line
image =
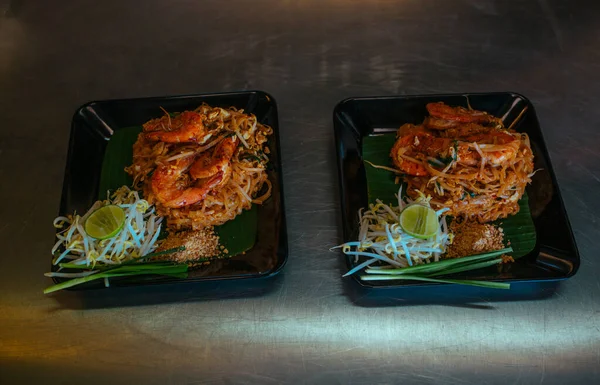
<point x="136" y="266"/>
<point x="384" y="251"/>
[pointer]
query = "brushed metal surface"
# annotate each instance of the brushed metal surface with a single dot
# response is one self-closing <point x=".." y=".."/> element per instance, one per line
<point x="308" y="325"/>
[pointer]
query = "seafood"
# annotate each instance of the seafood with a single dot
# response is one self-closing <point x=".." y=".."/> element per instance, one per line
<point x="202" y="167"/>
<point x="173" y="188"/>
<point x="459" y="114"/>
<point x="420" y="142"/>
<point x="470" y="151"/>
<point x="466" y="161"/>
<point x="187" y="126"/>
<point x="219" y="162"/>
<point x="439" y="124"/>
<point x="497" y="148"/>
<point x="465" y="130"/>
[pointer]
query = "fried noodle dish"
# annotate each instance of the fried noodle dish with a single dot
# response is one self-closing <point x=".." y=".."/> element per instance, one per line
<point x="201" y="168"/>
<point x="466" y="160"/>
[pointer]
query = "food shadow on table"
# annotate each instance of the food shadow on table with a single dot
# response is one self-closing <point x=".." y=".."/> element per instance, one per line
<point x="144" y="295"/>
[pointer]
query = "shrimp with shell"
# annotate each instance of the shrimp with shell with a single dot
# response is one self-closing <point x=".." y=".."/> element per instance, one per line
<point x="202" y="167"/>
<point x="465" y="160"/>
<point x="185" y="127"/>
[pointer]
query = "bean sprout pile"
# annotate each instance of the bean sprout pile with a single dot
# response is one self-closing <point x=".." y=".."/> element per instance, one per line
<point x="382" y="239"/>
<point x="137" y="238"/>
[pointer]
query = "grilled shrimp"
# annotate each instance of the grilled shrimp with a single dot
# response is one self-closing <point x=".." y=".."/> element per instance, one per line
<point x="207" y="165"/>
<point x="486" y="142"/>
<point x="420" y="145"/>
<point x="441" y="112"/>
<point x="413" y="144"/>
<point x="172" y="187"/>
<point x="185" y="127"/>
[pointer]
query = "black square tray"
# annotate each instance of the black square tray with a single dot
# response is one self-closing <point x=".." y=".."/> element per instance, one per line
<point x="91" y="129"/>
<point x="555" y="256"/>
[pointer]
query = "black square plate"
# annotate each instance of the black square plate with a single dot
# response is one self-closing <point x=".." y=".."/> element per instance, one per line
<point x="91" y="129"/>
<point x="555" y="255"/>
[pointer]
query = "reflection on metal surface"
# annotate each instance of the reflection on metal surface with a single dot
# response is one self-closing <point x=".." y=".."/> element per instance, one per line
<point x="13" y="38"/>
<point x="308" y="329"/>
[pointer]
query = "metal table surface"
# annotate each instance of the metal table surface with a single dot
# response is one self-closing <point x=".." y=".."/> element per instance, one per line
<point x="308" y="325"/>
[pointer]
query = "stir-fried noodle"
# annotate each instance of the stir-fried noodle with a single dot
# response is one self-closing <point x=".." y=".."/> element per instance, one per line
<point x="466" y="160"/>
<point x="203" y="167"/>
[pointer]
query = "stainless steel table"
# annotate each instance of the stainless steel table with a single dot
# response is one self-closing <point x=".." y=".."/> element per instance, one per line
<point x="308" y="325"/>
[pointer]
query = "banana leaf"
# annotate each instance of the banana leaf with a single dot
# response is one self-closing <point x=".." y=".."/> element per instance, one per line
<point x="519" y="229"/>
<point x="237" y="235"/>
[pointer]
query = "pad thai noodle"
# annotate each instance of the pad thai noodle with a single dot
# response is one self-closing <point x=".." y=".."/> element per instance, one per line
<point x="202" y="168"/>
<point x="466" y="160"/>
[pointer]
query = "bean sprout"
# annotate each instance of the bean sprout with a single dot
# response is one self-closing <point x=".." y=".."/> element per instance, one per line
<point x="137" y="238"/>
<point x="381" y="238"/>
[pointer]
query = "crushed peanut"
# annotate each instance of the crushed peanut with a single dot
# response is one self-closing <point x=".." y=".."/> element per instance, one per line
<point x="472" y="237"/>
<point x="199" y="245"/>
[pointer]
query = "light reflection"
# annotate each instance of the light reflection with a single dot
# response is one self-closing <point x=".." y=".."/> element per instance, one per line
<point x="12" y="40"/>
<point x="414" y="330"/>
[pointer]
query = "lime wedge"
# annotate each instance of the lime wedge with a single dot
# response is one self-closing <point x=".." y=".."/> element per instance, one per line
<point x="419" y="221"/>
<point x="106" y="222"/>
